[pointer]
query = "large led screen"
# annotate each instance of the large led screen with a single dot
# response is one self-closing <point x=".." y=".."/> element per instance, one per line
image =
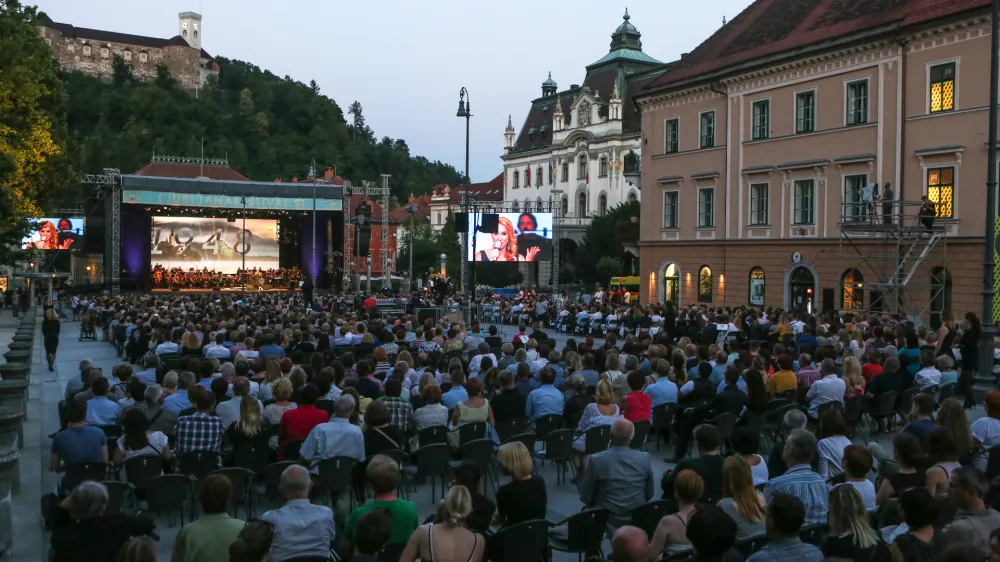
<point x="214" y="244"/>
<point x="54" y="234"/>
<point x="519" y="237"/>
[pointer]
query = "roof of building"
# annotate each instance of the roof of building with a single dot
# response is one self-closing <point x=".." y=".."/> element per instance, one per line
<point x="421" y="209"/>
<point x="69" y="30"/>
<point x="192" y="170"/>
<point x="771" y="27"/>
<point x="626" y="45"/>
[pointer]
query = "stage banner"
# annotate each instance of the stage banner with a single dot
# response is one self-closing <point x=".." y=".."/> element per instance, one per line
<point x="137" y="197"/>
<point x="214" y="243"/>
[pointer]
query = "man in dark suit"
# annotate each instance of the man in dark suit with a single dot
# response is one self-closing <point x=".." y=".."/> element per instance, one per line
<point x="708" y="465"/>
<point x="510" y="403"/>
<point x="731" y="399"/>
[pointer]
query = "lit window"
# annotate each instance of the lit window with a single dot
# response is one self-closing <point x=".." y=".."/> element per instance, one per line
<point x="705" y="284"/>
<point x="941" y="190"/>
<point x="857" y="102"/>
<point x="803" y="204"/>
<point x="756" y="287"/>
<point x="942" y="87"/>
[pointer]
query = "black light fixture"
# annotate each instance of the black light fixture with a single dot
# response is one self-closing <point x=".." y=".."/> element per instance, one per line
<point x="463" y="110"/>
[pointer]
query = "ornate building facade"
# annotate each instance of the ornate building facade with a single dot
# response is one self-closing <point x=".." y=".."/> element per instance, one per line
<point x="578" y="150"/>
<point x="93" y="51"/>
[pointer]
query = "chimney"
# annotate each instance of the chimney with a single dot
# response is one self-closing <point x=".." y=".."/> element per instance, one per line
<point x="328" y="174"/>
<point x="295" y="179"/>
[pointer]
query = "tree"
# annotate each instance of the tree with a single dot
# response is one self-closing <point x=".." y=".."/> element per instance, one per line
<point x="358" y="125"/>
<point x="448" y="243"/>
<point x="121" y="72"/>
<point x="33" y="162"/>
<point x="608" y="267"/>
<point x="604" y="238"/>
<point x="163" y="78"/>
<point x="425" y="252"/>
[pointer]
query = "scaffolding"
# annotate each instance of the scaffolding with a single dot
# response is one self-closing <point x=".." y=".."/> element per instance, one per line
<point x="353" y="265"/>
<point x="891" y="241"/>
<point x="109" y="188"/>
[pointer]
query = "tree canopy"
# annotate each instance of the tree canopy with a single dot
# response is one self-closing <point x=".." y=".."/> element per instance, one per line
<point x="267" y="127"/>
<point x="605" y="237"/>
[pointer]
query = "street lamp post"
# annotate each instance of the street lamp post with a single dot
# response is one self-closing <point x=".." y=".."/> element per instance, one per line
<point x="243" y="241"/>
<point x="313" y="265"/>
<point x="465" y="110"/>
<point x="989" y="330"/>
<point x="368" y="280"/>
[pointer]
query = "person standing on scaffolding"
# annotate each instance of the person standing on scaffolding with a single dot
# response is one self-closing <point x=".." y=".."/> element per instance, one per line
<point x="867" y="200"/>
<point x="927" y="213"/>
<point x="887" y="196"/>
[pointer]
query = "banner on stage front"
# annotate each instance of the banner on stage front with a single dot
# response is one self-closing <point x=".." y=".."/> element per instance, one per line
<point x="143" y="197"/>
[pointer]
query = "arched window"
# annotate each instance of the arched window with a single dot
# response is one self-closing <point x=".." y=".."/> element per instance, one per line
<point x="756" y="287"/>
<point x="940" y="294"/>
<point x="632" y="198"/>
<point x="581" y="167"/>
<point x="672" y="284"/>
<point x="527" y="205"/>
<point x="565" y="205"/>
<point x="852" y="292"/>
<point x="581" y="204"/>
<point x="513" y="206"/>
<point x="602" y="205"/>
<point x="517" y="178"/>
<point x="538" y="205"/>
<point x="705" y="284"/>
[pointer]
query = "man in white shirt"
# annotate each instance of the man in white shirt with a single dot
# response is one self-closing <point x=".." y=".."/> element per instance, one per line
<point x="583" y="315"/>
<point x="830" y="388"/>
<point x="216" y="349"/>
<point x="229" y="410"/>
<point x="167" y="347"/>
<point x="484" y="351"/>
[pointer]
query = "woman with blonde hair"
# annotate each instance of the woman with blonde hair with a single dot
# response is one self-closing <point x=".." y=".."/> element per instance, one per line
<point x="447" y="539"/>
<point x="670" y="537"/>
<point x="613" y="375"/>
<point x="602" y="412"/>
<point x="740" y="500"/>
<point x="504" y="243"/>
<point x="250" y="429"/>
<point x="857" y="345"/>
<point x="853" y="378"/>
<point x="272" y="373"/>
<point x="282" y="393"/>
<point x="523" y="498"/>
<point x="851" y="536"/>
<point x="190" y="344"/>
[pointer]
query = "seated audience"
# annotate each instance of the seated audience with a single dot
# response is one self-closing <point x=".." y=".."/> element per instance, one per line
<point x="509" y="403"/>
<point x="800" y="480"/>
<point x="447" y="539"/>
<point x="138" y="439"/>
<point x="746" y="444"/>
<point x="920" y="541"/>
<point x="974" y="521"/>
<point x="670" y="536"/>
<point x="79" y="442"/>
<point x="469" y="474"/>
<point x="474" y="409"/>
<point x="619" y="479"/>
<point x="943" y="453"/>
<point x="301" y="529"/>
<point x="857" y="463"/>
<point x="208" y="538"/>
<point x="850" y="535"/>
<point x="712" y="534"/>
<point x="786" y="515"/>
<point x="740" y="500"/>
<point x="908" y="454"/>
<point x="523" y="498"/>
<point x="83" y="532"/>
<point x="833" y="432"/>
<point x="253" y="543"/>
<point x="297" y="424"/>
<point x="382" y="475"/>
<point x="708" y="465"/>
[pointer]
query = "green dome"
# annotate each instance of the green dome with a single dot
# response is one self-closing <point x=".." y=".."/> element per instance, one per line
<point x="626" y="36"/>
<point x="626" y="27"/>
<point x="550" y="81"/>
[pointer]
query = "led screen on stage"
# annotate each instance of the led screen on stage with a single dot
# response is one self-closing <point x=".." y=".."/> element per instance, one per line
<point x="54" y="234"/>
<point x="213" y="243"/>
<point x="520" y="237"/>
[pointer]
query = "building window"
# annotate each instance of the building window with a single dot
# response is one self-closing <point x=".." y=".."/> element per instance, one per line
<point x="705" y="284"/>
<point x="857" y="102"/>
<point x="853" y="208"/>
<point x="565" y="205"/>
<point x="670" y="209"/>
<point x="758" y="204"/>
<point x="565" y="171"/>
<point x="86" y="50"/>
<point x="942" y="87"/>
<point x="602" y="205"/>
<point x="761" y="119"/>
<point x="439" y="218"/>
<point x="581" y="168"/>
<point x="707" y="129"/>
<point x="671" y="134"/>
<point x="706" y="207"/>
<point x="142" y="57"/>
<point x="127" y="55"/>
<point x="756" y="287"/>
<point x="602" y="169"/>
<point x="581" y="204"/>
<point x="517" y="179"/>
<point x="539" y="206"/>
<point x="513" y="206"/>
<point x="941" y="190"/>
<point x="805" y="112"/>
<point x="71" y="48"/>
<point x="803" y="204"/>
<point x="105" y="52"/>
<point x="538" y="177"/>
<point x="852" y="295"/>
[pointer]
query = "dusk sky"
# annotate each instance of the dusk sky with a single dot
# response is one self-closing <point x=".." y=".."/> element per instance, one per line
<point x="406" y="61"/>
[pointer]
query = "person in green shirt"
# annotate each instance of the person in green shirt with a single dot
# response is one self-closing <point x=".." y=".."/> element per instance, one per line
<point x="208" y="538"/>
<point x="383" y="476"/>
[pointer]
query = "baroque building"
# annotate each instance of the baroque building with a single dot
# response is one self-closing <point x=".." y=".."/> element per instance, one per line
<point x="578" y="150"/>
<point x="93" y="51"/>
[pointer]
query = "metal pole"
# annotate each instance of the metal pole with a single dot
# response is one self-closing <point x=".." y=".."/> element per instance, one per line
<point x="243" y="249"/>
<point x="368" y="281"/>
<point x="410" y="236"/>
<point x="314" y="264"/>
<point x="985" y="359"/>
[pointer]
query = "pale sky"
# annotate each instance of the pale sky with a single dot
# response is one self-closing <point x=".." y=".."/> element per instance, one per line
<point x="406" y="60"/>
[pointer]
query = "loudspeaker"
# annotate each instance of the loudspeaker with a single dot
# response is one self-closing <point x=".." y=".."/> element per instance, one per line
<point x="364" y="240"/>
<point x="461" y="222"/>
<point x="491" y="223"/>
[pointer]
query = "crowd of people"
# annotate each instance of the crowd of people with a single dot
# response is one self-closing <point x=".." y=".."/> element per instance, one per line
<point x="255" y="279"/>
<point x="770" y="401"/>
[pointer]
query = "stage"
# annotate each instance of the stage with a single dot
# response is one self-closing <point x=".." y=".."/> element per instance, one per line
<point x="223" y="290"/>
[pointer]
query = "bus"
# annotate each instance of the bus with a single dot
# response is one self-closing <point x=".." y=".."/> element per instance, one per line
<point x="630" y="284"/>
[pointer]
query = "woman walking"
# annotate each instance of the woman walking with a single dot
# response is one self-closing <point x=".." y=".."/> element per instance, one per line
<point x="50" y="335"/>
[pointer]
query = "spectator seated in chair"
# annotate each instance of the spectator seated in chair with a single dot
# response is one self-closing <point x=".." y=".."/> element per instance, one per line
<point x="208" y="539"/>
<point x="84" y="533"/>
<point x="785" y="517"/>
<point x="301" y="529"/>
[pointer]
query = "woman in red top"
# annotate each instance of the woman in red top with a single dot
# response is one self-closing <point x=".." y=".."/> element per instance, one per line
<point x="637" y="405"/>
<point x="296" y="423"/>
